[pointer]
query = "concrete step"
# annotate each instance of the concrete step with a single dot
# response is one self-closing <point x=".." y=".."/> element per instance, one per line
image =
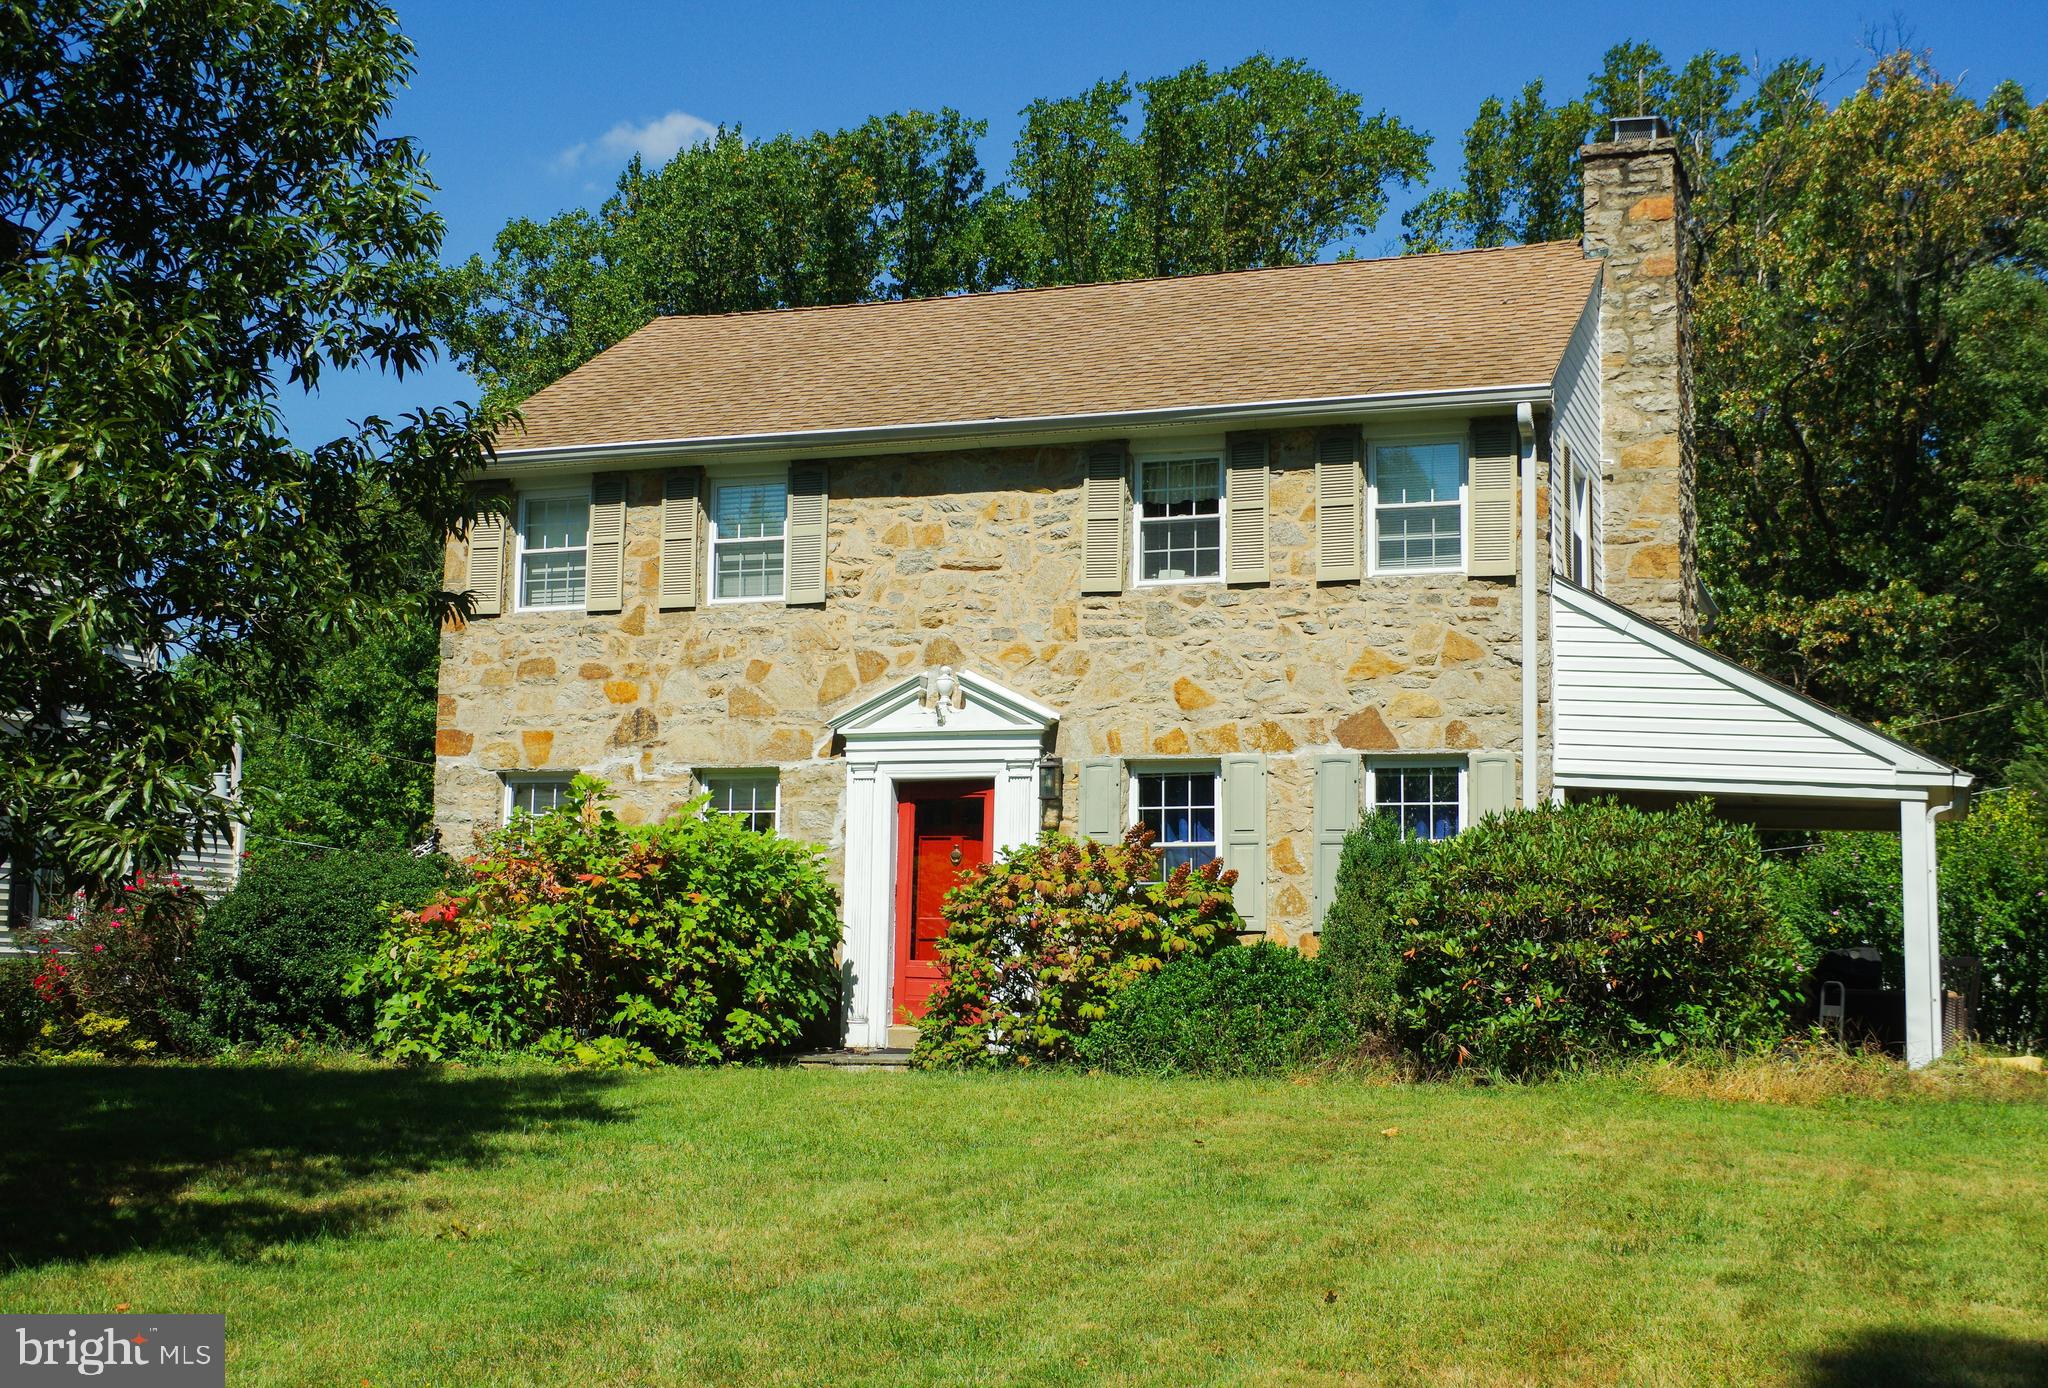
<point x="887" y="1058"/>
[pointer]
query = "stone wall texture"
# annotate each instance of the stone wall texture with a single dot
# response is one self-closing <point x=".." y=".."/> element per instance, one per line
<point x="1635" y="208"/>
<point x="973" y="559"/>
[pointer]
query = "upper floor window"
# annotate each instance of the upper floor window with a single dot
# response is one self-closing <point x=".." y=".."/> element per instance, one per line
<point x="1427" y="799"/>
<point x="749" y="520"/>
<point x="535" y="795"/>
<point x="554" y="548"/>
<point x="1418" y="506"/>
<point x="751" y="799"/>
<point x="1178" y="512"/>
<point x="1180" y="809"/>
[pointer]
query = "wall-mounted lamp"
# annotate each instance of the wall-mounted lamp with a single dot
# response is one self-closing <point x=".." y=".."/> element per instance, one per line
<point x="1051" y="778"/>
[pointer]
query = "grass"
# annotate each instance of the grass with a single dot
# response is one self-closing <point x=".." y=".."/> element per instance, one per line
<point x="363" y="1225"/>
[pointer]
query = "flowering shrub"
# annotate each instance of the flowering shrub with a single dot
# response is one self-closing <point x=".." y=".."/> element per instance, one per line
<point x="1039" y="941"/>
<point x="1570" y="933"/>
<point x="582" y="938"/>
<point x="116" y="978"/>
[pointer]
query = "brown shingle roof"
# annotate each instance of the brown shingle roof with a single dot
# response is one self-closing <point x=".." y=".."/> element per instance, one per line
<point x="1470" y="319"/>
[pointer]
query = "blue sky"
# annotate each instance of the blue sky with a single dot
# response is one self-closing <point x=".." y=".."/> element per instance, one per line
<point x="526" y="109"/>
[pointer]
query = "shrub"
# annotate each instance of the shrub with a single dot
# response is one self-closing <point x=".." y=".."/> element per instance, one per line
<point x="1994" y="906"/>
<point x="1038" y="942"/>
<point x="1260" y="1009"/>
<point x="1360" y="928"/>
<point x="277" y="952"/>
<point x="1566" y="934"/>
<point x="22" y="1010"/>
<point x="116" y="978"/>
<point x="583" y="938"/>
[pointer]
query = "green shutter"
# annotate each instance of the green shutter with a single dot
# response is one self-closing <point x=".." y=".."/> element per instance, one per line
<point x="1491" y="788"/>
<point x="1246" y="529"/>
<point x="604" y="568"/>
<point x="1490" y="500"/>
<point x="1102" y="799"/>
<point x="1105" y="519"/>
<point x="805" y="568"/>
<point x="1340" y="488"/>
<point x="682" y="525"/>
<point x="487" y="563"/>
<point x="1244" y="834"/>
<point x="1339" y="781"/>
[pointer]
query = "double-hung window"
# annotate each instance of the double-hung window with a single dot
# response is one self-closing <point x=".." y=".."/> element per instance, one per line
<point x="535" y="795"/>
<point x="554" y="548"/>
<point x="749" y="524"/>
<point x="1418" y="506"/>
<point x="1426" y="798"/>
<point x="1580" y="481"/>
<point x="1178" y="515"/>
<point x="1179" y="807"/>
<point x="750" y="798"/>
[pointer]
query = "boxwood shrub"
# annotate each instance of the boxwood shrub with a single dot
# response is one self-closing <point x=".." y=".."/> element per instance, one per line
<point x="1360" y="928"/>
<point x="276" y="953"/>
<point x="1556" y="936"/>
<point x="1260" y="1009"/>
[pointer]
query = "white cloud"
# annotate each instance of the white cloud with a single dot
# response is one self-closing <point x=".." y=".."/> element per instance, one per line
<point x="654" y="142"/>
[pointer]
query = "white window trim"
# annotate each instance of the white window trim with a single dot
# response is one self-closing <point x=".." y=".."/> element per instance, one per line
<point x="1373" y="568"/>
<point x="1193" y="766"/>
<point x="705" y="775"/>
<point x="520" y="551"/>
<point x="513" y="780"/>
<point x="1463" y="766"/>
<point x="712" y="484"/>
<point x="1579" y="524"/>
<point x="1205" y="451"/>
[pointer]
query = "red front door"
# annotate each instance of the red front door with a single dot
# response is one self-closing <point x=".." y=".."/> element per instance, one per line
<point x="943" y="828"/>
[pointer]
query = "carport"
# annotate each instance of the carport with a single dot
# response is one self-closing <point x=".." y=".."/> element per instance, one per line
<point x="1650" y="718"/>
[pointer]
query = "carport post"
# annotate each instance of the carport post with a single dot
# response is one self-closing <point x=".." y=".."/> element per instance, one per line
<point x="1923" y="932"/>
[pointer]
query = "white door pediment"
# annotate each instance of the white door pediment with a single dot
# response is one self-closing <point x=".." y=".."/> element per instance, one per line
<point x="943" y="703"/>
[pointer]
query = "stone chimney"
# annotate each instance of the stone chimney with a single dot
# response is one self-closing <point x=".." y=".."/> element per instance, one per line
<point x="1635" y="206"/>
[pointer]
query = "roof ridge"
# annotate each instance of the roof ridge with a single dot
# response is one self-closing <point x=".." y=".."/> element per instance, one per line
<point x="981" y="294"/>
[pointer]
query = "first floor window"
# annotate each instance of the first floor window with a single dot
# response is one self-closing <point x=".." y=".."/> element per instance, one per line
<point x="1179" y="807"/>
<point x="554" y="548"/>
<point x="1418" y="510"/>
<point x="751" y="799"/>
<point x="1180" y="519"/>
<point x="535" y="795"/>
<point x="1426" y="799"/>
<point x="749" y="519"/>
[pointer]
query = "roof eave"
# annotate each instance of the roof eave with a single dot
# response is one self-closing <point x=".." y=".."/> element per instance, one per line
<point x="942" y="432"/>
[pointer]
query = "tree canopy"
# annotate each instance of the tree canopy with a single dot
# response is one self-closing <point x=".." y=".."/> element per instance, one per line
<point x="199" y="213"/>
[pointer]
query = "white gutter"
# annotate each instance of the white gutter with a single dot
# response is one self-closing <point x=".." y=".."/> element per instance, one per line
<point x="869" y="439"/>
<point x="1525" y="421"/>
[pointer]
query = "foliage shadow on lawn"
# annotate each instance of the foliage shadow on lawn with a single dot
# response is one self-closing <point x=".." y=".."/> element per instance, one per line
<point x="1931" y="1357"/>
<point x="103" y="1160"/>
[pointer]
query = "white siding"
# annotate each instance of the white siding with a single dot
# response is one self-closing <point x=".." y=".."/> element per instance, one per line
<point x="1576" y="428"/>
<point x="1638" y="707"/>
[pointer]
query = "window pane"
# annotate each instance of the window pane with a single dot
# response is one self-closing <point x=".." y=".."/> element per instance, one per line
<point x="1175" y="549"/>
<point x="749" y="569"/>
<point x="1418" y="472"/>
<point x="751" y="510"/>
<point x="1183" y="487"/>
<point x="559" y="522"/>
<point x="538" y="797"/>
<point x="750" y="799"/>
<point x="551" y="580"/>
<point x="1422" y="537"/>
<point x="1423" y="800"/>
<point x="1180" y="809"/>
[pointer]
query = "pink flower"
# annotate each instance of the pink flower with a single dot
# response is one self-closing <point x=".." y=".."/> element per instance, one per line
<point x="99" y="949"/>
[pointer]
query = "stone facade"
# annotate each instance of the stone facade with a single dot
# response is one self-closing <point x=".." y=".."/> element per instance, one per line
<point x="1635" y="209"/>
<point x="973" y="560"/>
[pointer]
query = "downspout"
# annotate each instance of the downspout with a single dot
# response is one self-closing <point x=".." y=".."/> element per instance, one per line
<point x="1525" y="421"/>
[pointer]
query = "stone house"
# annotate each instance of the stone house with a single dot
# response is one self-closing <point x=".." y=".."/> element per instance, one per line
<point x="1238" y="556"/>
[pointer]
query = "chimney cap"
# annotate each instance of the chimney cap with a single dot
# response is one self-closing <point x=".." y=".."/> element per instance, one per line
<point x="1631" y="130"/>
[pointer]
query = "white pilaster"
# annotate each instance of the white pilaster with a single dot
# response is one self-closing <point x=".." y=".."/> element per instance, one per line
<point x="1922" y="931"/>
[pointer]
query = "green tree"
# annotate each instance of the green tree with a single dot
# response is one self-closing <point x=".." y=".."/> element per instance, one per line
<point x="199" y="213"/>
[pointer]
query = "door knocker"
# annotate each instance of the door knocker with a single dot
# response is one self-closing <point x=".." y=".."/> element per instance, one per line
<point x="956" y="855"/>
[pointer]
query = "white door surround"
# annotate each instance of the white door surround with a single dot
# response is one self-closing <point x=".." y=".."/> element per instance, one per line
<point x="942" y="725"/>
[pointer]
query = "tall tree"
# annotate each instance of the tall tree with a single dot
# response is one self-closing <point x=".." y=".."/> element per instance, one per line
<point x="201" y="214"/>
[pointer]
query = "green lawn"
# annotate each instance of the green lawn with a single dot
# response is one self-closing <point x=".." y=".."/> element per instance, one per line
<point x="763" y="1226"/>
